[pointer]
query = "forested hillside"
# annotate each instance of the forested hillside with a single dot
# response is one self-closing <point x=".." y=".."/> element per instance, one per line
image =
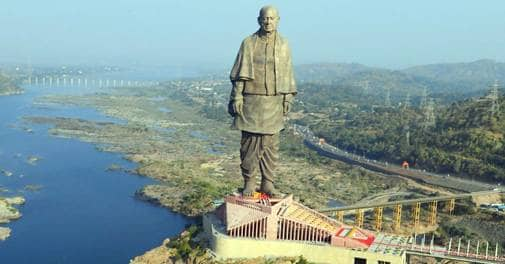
<point x="465" y="137"/>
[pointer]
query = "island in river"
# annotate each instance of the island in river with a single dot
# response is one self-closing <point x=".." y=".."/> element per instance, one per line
<point x="7" y="210"/>
<point x="8" y="213"/>
<point x="7" y="86"/>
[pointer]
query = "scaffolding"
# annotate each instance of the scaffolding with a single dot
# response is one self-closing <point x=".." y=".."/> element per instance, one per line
<point x="450" y="206"/>
<point x="416" y="213"/>
<point x="360" y="217"/>
<point x="340" y="216"/>
<point x="378" y="218"/>
<point x="433" y="212"/>
<point x="397" y="216"/>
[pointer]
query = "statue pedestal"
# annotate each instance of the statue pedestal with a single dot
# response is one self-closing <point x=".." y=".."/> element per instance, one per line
<point x="255" y="227"/>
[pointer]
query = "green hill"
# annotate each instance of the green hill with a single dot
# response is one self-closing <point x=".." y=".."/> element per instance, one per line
<point x="466" y="140"/>
<point x="357" y="76"/>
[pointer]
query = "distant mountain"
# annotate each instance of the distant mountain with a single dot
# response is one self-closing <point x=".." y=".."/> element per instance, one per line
<point x="444" y="82"/>
<point x="322" y="72"/>
<point x="367" y="81"/>
<point x="466" y="77"/>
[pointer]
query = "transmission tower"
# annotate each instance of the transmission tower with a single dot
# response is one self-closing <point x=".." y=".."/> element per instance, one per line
<point x="493" y="97"/>
<point x="407" y="101"/>
<point x="429" y="114"/>
<point x="406" y="129"/>
<point x="424" y="98"/>
<point x="366" y="86"/>
<point x="387" y="100"/>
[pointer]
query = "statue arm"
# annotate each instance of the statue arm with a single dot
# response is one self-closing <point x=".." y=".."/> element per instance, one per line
<point x="236" y="98"/>
<point x="287" y="102"/>
<point x="237" y="90"/>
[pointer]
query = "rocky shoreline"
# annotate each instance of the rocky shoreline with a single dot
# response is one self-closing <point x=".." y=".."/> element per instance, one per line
<point x="191" y="176"/>
<point x="6" y="91"/>
<point x="9" y="212"/>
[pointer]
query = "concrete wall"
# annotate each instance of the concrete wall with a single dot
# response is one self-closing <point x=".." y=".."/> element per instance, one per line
<point x="226" y="247"/>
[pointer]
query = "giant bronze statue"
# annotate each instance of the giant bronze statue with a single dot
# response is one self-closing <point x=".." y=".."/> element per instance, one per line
<point x="262" y="94"/>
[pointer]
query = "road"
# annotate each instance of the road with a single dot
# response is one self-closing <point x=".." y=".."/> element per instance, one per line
<point x="327" y="150"/>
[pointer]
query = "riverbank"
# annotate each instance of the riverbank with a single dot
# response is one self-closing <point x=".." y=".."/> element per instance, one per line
<point x="8" y="213"/>
<point x="73" y="195"/>
<point x="5" y="91"/>
<point x="196" y="159"/>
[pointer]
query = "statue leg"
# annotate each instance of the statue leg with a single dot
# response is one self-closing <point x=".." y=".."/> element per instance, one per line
<point x="249" y="156"/>
<point x="269" y="156"/>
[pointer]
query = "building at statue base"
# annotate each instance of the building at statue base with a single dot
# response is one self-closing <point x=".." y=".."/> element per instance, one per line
<point x="250" y="228"/>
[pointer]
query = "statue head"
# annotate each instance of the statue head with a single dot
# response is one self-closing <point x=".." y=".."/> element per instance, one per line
<point x="268" y="19"/>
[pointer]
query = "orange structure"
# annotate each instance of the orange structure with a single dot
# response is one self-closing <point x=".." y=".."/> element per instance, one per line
<point x="321" y="141"/>
<point x="405" y="165"/>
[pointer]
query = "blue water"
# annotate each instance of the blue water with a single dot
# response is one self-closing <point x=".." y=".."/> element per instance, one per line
<point x="83" y="213"/>
<point x="199" y="135"/>
<point x="164" y="110"/>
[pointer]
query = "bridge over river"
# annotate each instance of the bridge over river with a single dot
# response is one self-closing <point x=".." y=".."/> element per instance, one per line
<point x="57" y="81"/>
<point x="397" y="206"/>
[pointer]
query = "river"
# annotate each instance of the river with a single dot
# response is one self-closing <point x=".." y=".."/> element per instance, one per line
<point x="83" y="213"/>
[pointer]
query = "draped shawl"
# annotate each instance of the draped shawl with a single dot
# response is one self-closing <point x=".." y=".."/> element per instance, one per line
<point x="243" y="69"/>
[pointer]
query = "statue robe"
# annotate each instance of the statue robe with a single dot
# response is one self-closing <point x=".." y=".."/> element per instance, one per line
<point x="266" y="69"/>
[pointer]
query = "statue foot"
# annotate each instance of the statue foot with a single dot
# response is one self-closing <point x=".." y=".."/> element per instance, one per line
<point x="249" y="188"/>
<point x="268" y="188"/>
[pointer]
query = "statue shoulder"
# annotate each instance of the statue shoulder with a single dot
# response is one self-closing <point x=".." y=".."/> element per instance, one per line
<point x="282" y="39"/>
<point x="249" y="39"/>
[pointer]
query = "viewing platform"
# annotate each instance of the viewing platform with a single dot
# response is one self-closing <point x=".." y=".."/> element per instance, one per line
<point x="249" y="228"/>
<point x="243" y="228"/>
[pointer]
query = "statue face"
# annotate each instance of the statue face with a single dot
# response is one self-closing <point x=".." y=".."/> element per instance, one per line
<point x="268" y="20"/>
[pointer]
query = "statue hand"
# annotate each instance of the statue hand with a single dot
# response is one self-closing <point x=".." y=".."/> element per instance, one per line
<point x="286" y="107"/>
<point x="230" y="109"/>
<point x="237" y="107"/>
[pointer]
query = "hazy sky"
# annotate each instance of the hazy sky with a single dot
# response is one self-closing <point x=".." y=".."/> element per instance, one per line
<point x="388" y="33"/>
